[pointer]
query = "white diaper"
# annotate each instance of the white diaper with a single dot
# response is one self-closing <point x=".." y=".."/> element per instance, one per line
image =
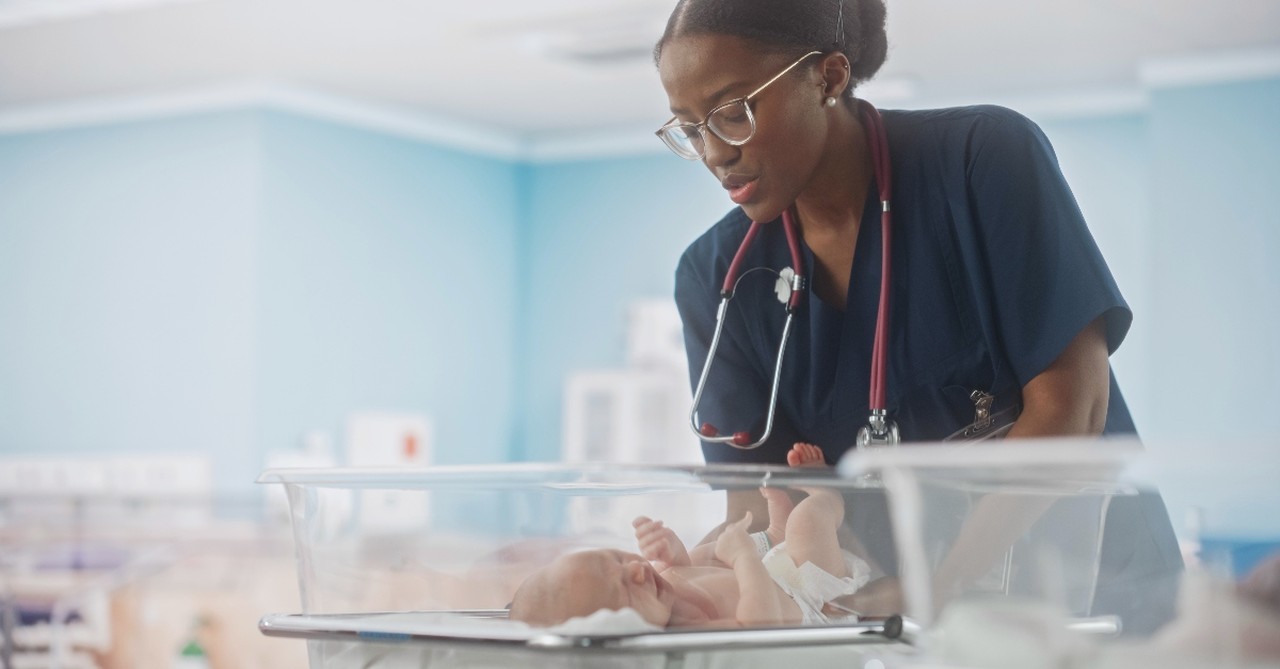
<point x="812" y="587"/>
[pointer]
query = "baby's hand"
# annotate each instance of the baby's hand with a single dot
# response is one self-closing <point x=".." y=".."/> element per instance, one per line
<point x="659" y="544"/>
<point x="734" y="544"/>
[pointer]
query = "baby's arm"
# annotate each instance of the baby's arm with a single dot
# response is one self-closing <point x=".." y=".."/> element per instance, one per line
<point x="759" y="600"/>
<point x="658" y="544"/>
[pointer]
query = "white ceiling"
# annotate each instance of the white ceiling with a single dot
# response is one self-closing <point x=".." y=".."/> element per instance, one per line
<point x="503" y="64"/>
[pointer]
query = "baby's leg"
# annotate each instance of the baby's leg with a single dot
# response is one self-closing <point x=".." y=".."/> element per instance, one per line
<point x="780" y="507"/>
<point x="812" y="525"/>
<point x="778" y="500"/>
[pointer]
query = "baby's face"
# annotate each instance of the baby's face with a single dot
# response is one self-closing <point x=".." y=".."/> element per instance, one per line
<point x="612" y="579"/>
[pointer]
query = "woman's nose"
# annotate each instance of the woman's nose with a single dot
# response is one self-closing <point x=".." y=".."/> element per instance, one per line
<point x="716" y="152"/>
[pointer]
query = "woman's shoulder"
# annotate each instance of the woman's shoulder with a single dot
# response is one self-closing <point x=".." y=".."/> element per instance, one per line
<point x="988" y="118"/>
<point x="957" y="142"/>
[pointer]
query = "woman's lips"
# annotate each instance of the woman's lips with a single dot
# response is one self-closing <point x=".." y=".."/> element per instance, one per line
<point x="741" y="192"/>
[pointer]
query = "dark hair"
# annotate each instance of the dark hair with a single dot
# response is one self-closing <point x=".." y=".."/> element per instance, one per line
<point x="791" y="26"/>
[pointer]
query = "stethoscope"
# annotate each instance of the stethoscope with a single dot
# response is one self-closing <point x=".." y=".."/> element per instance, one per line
<point x="879" y="430"/>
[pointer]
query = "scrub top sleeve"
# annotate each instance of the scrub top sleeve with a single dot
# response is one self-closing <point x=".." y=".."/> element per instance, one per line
<point x="736" y="396"/>
<point x="1046" y="275"/>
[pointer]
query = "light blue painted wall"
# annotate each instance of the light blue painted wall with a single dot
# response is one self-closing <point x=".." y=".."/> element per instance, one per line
<point x="1215" y="288"/>
<point x="221" y="284"/>
<point x="1215" y="241"/>
<point x="127" y="289"/>
<point x="600" y="234"/>
<point x="388" y="281"/>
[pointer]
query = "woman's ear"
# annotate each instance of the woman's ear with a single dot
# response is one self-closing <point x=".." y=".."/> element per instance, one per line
<point x="834" y="70"/>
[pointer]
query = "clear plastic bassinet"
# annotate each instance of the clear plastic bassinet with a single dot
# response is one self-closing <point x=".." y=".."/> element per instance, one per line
<point x="416" y="567"/>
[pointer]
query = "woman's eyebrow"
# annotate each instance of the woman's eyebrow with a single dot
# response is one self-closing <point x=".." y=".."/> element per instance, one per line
<point x="719" y="93"/>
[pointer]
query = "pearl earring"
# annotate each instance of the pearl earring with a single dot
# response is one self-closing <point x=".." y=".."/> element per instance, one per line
<point x="831" y="102"/>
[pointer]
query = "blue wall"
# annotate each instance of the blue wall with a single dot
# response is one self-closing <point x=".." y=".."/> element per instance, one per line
<point x="388" y="281"/>
<point x="601" y="233"/>
<point x="127" y="289"/>
<point x="1214" y="244"/>
<point x="1215" y="307"/>
<point x="223" y="283"/>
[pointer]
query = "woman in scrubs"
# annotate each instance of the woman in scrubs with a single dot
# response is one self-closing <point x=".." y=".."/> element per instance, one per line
<point x="997" y="284"/>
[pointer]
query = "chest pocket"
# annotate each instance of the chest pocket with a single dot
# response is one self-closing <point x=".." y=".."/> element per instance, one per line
<point x="957" y="413"/>
<point x="989" y="421"/>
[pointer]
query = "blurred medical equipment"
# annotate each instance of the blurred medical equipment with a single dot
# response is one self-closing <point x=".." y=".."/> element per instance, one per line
<point x="389" y="439"/>
<point x="633" y="413"/>
<point x="109" y="562"/>
<point x="880" y="430"/>
<point x="63" y="549"/>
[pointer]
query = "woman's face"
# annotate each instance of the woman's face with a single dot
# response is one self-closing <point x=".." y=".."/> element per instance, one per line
<point x="768" y="173"/>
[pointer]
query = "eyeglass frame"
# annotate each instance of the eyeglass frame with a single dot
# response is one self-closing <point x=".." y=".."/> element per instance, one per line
<point x="706" y="120"/>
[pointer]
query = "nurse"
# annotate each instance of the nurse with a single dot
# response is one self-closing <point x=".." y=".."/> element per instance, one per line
<point x="997" y="285"/>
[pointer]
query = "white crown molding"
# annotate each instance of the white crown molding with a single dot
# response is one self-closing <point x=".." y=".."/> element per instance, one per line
<point x="394" y="121"/>
<point x="605" y="143"/>
<point x="122" y="109"/>
<point x="536" y="148"/>
<point x="559" y="146"/>
<point x="371" y="116"/>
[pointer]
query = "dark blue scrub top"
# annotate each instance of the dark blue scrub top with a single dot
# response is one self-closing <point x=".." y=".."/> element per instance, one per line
<point x="994" y="273"/>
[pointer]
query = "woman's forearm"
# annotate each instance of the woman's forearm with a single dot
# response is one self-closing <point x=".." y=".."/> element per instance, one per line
<point x="1070" y="397"/>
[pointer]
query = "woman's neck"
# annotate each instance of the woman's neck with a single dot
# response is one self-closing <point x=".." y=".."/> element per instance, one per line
<point x="831" y="204"/>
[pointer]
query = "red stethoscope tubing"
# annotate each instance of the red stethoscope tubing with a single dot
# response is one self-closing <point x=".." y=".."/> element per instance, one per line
<point x="879" y="147"/>
<point x="884" y="177"/>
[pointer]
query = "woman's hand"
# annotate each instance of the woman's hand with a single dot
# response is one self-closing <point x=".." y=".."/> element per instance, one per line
<point x="733" y="543"/>
<point x="660" y="545"/>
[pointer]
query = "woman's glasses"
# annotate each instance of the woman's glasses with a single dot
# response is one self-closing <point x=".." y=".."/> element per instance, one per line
<point x="732" y="122"/>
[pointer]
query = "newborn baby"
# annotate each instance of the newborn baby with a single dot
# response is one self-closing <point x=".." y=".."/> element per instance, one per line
<point x="725" y="583"/>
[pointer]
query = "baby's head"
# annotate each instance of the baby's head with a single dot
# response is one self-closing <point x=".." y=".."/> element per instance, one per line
<point x="579" y="584"/>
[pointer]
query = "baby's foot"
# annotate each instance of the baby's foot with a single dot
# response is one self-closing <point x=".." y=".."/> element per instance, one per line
<point x="780" y="506"/>
<point x="821" y="502"/>
<point x="806" y="455"/>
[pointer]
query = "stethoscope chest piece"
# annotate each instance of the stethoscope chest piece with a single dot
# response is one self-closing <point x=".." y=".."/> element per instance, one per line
<point x="880" y="430"/>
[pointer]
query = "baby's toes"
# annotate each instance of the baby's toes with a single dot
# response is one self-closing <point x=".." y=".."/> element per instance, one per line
<point x="805" y="455"/>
